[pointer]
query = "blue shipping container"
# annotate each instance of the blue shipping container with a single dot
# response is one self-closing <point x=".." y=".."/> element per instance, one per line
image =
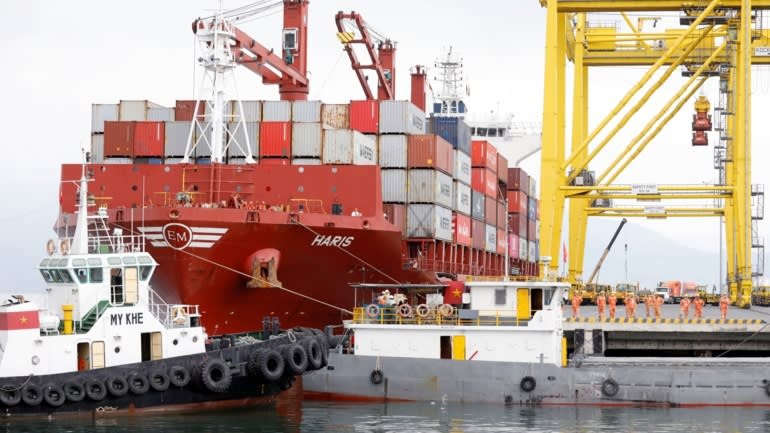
<point x="145" y="160"/>
<point x="453" y="130"/>
<point x="532" y="209"/>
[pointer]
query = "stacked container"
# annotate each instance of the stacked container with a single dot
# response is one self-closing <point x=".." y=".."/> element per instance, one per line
<point x="523" y="216"/>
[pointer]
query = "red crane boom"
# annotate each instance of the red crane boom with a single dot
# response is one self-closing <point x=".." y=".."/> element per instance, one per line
<point x="382" y="61"/>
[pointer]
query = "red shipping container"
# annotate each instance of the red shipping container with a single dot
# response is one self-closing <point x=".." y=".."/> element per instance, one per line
<point x="483" y="154"/>
<point x="365" y="116"/>
<point x="275" y="161"/>
<point x="119" y="139"/>
<point x="484" y="180"/>
<point x="517" y="223"/>
<point x="518" y="180"/>
<point x="517" y="202"/>
<point x="513" y="245"/>
<point x="462" y="229"/>
<point x="183" y="111"/>
<point x="502" y="168"/>
<point x="149" y="139"/>
<point x="501" y="241"/>
<point x="430" y="151"/>
<point x="501" y="214"/>
<point x="478" y="234"/>
<point x="490" y="210"/>
<point x="396" y="214"/>
<point x="531" y="228"/>
<point x="275" y="139"/>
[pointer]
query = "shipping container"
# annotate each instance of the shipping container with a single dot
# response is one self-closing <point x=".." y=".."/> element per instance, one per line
<point x="490" y="210"/>
<point x="275" y="139"/>
<point x="97" y="148"/>
<point x="484" y="154"/>
<point x="490" y="242"/>
<point x="429" y="221"/>
<point x="537" y="210"/>
<point x="502" y="168"/>
<point x="249" y="111"/>
<point x="160" y="114"/>
<point x="513" y="245"/>
<point x="396" y="214"/>
<point x="502" y="215"/>
<point x="335" y="116"/>
<point x="430" y="151"/>
<point x="478" y="234"/>
<point x="532" y="252"/>
<point x="393" y="185"/>
<point x="173" y="160"/>
<point x="462" y="200"/>
<point x="462" y="171"/>
<point x="114" y="160"/>
<point x="517" y="202"/>
<point x="429" y="186"/>
<point x="183" y="112"/>
<point x="518" y="180"/>
<point x="276" y="111"/>
<point x="274" y="161"/>
<point x="484" y="180"/>
<point x="202" y="133"/>
<point x="537" y="230"/>
<point x="365" y="116"/>
<point x="532" y="208"/>
<point x="306" y="161"/>
<point x="477" y="205"/>
<point x="238" y="133"/>
<point x="523" y="248"/>
<point x="102" y="112"/>
<point x="517" y="223"/>
<point x="401" y="117"/>
<point x="532" y="187"/>
<point x="149" y="139"/>
<point x="346" y="146"/>
<point x="227" y="111"/>
<point x="238" y="160"/>
<point x="531" y="228"/>
<point x="119" y="139"/>
<point x="502" y="241"/>
<point x="462" y="229"/>
<point x="454" y="130"/>
<point x="135" y="110"/>
<point x="306" y="111"/>
<point x="148" y="160"/>
<point x="393" y="152"/>
<point x="306" y="139"/>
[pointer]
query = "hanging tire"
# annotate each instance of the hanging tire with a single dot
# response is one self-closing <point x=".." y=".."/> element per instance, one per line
<point x="74" y="391"/>
<point x="215" y="375"/>
<point x="287" y="382"/>
<point x="324" y="342"/>
<point x="528" y="384"/>
<point x="117" y="386"/>
<point x="31" y="394"/>
<point x="267" y="364"/>
<point x="10" y="397"/>
<point x="376" y="377"/>
<point x="95" y="389"/>
<point x="178" y="376"/>
<point x="159" y="380"/>
<point x="138" y="383"/>
<point x="610" y="388"/>
<point x="313" y="351"/>
<point x="53" y="395"/>
<point x="295" y="358"/>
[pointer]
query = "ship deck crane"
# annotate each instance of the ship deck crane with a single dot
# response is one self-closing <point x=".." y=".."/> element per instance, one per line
<point x="382" y="61"/>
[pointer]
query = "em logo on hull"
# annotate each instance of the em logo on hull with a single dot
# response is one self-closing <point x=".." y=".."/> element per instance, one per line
<point x="180" y="236"/>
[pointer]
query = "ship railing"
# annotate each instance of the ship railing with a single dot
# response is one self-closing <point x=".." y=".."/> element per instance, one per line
<point x="438" y="315"/>
<point x="173" y="315"/>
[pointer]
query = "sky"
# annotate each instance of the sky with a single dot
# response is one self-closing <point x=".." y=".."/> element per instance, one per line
<point x="60" y="57"/>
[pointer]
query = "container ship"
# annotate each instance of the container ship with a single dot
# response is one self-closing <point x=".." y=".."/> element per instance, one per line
<point x="266" y="211"/>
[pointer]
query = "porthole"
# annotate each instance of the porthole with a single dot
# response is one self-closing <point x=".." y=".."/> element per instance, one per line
<point x="195" y="339"/>
<point x="117" y="349"/>
<point x="175" y="342"/>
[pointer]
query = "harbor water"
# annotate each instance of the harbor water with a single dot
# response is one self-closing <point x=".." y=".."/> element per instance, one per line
<point x="297" y="416"/>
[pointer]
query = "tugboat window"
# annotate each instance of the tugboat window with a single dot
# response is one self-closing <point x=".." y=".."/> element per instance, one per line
<point x="144" y="272"/>
<point x="96" y="275"/>
<point x="65" y="275"/>
<point x="82" y="275"/>
<point x="500" y="297"/>
<point x="55" y="275"/>
<point x="46" y="275"/>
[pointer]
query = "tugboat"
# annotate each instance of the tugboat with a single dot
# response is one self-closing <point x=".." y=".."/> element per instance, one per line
<point x="105" y="341"/>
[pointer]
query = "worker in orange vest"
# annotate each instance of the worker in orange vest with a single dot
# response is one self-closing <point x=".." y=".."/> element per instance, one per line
<point x="612" y="301"/>
<point x="648" y="304"/>
<point x="601" y="301"/>
<point x="724" y="301"/>
<point x="698" y="307"/>
<point x="658" y="305"/>
<point x="630" y="302"/>
<point x="577" y="299"/>
<point x="684" y="307"/>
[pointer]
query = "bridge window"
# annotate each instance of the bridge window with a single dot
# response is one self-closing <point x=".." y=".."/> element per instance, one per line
<point x="82" y="275"/>
<point x="96" y="275"/>
<point x="55" y="275"/>
<point x="47" y="275"/>
<point x="482" y="132"/>
<point x="129" y="260"/>
<point x="65" y="275"/>
<point x="144" y="272"/>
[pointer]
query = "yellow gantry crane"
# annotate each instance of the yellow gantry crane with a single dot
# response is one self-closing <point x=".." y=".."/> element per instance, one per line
<point x="716" y="39"/>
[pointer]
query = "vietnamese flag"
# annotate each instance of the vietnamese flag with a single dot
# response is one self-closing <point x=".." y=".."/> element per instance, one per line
<point x="14" y="320"/>
<point x="453" y="292"/>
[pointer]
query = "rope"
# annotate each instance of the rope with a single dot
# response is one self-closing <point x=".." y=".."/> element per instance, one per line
<point x="743" y="341"/>
<point x="16" y="388"/>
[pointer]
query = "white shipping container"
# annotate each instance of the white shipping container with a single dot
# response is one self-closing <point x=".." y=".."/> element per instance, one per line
<point x="160" y="114"/>
<point x="430" y="186"/>
<point x="345" y="146"/>
<point x="173" y="160"/>
<point x="393" y="151"/>
<point x="429" y="221"/>
<point x="118" y="161"/>
<point x="306" y="111"/>
<point x="490" y="240"/>
<point x="335" y="116"/>
<point x="276" y="111"/>
<point x="135" y="110"/>
<point x="531" y="251"/>
<point x="97" y="148"/>
<point x="237" y="134"/>
<point x="177" y="134"/>
<point x="227" y="111"/>
<point x="102" y="112"/>
<point x="237" y="160"/>
<point x="250" y="111"/>
<point x="532" y="187"/>
<point x="523" y="249"/>
<point x="462" y="198"/>
<point x="393" y="185"/>
<point x="401" y="117"/>
<point x="306" y="161"/>
<point x="537" y="230"/>
<point x="462" y="167"/>
<point x="306" y="139"/>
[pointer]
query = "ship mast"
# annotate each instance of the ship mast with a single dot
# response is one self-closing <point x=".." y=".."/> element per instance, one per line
<point x="217" y="41"/>
<point x="80" y="239"/>
<point x="450" y="77"/>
